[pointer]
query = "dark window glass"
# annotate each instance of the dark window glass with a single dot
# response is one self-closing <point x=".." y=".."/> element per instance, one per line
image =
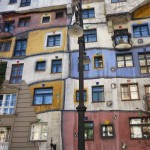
<point x="115" y="1"/>
<point x="107" y="131"/>
<point x="5" y="46"/>
<point x="140" y="128"/>
<point x="98" y="62"/>
<point x="43" y="96"/>
<point x="88" y="13"/>
<point x="141" y="31"/>
<point x="88" y="131"/>
<point x="56" y="66"/>
<point x="129" y="92"/>
<point x="9" y="26"/>
<point x="24" y="22"/>
<point x="59" y="15"/>
<point x="16" y="74"/>
<point x="53" y="40"/>
<point x="97" y="93"/>
<point x="13" y="1"/>
<point x="46" y="19"/>
<point x="90" y="35"/>
<point x="124" y="60"/>
<point x="25" y="3"/>
<point x="77" y="95"/>
<point x="20" y="47"/>
<point x="147" y="92"/>
<point x="40" y="66"/>
<point x="144" y="59"/>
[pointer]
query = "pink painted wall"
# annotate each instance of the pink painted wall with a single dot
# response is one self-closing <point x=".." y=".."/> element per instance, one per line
<point x="121" y="127"/>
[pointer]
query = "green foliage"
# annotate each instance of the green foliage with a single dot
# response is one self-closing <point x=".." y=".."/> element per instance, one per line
<point x="3" y="66"/>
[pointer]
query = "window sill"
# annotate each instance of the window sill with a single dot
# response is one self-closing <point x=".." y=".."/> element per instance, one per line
<point x="90" y="42"/>
<point x="105" y="138"/>
<point x="41" y="104"/>
<point x="131" y="100"/>
<point x="55" y="72"/>
<point x="39" y="70"/>
<point x="12" y="3"/>
<point x="141" y="37"/>
<point x="38" y="141"/>
<point x="97" y="101"/>
<point x="7" y="115"/>
<point x="125" y="67"/>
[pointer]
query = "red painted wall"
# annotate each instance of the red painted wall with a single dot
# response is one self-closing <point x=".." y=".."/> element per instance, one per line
<point x="121" y="127"/>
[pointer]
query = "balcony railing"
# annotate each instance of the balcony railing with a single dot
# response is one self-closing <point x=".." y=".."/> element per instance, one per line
<point x="122" y="41"/>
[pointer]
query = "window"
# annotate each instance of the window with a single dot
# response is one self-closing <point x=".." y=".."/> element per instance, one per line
<point x="5" y="46"/>
<point x="116" y="1"/>
<point x="24" y="22"/>
<point x="144" y="59"/>
<point x="25" y="3"/>
<point x="140" y="31"/>
<point x="97" y="93"/>
<point x="4" y="136"/>
<point x="129" y="92"/>
<point x="9" y="26"/>
<point x="90" y="35"/>
<point x="140" y="128"/>
<point x="38" y="132"/>
<point x="86" y="67"/>
<point x="147" y="92"/>
<point x="46" y="19"/>
<point x="13" y="1"/>
<point x="53" y="40"/>
<point x="7" y="103"/>
<point x="43" y="96"/>
<point x="88" y="13"/>
<point x="124" y="60"/>
<point x="56" y="66"/>
<point x="16" y="73"/>
<point x="20" y="47"/>
<point x="77" y="95"/>
<point x="98" y="62"/>
<point x="59" y="15"/>
<point x="107" y="131"/>
<point x="40" y="66"/>
<point x="88" y="131"/>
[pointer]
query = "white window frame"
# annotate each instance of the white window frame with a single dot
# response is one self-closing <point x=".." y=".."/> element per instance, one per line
<point x="39" y="132"/>
<point x="9" y="107"/>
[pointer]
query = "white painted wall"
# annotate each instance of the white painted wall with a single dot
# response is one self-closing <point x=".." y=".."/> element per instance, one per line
<point x="110" y="94"/>
<point x="29" y="73"/>
<point x="53" y="120"/>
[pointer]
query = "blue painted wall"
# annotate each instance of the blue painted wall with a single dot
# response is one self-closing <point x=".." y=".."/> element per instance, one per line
<point x="109" y="57"/>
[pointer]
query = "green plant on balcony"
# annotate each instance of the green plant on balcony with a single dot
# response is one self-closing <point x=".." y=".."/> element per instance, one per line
<point x="3" y="66"/>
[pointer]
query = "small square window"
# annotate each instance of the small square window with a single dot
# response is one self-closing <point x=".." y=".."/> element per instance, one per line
<point x="25" y="3"/>
<point x="56" y="66"/>
<point x="90" y="35"/>
<point x="5" y="46"/>
<point x="88" y="13"/>
<point x="59" y="15"/>
<point x="89" y="130"/>
<point x="24" y="22"/>
<point x="77" y="96"/>
<point x="116" y="1"/>
<point x="107" y="131"/>
<point x="98" y="62"/>
<point x="53" y="40"/>
<point x="40" y="66"/>
<point x="38" y="132"/>
<point x="97" y="93"/>
<point x="46" y="19"/>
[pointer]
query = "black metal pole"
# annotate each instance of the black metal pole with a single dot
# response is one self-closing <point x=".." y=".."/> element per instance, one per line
<point x="81" y="108"/>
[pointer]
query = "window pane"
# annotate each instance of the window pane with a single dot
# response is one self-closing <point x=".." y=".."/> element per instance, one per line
<point x="136" y="132"/>
<point x="38" y="99"/>
<point x="48" y="99"/>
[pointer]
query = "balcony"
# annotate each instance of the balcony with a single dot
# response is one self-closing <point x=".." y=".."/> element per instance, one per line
<point x="122" y="40"/>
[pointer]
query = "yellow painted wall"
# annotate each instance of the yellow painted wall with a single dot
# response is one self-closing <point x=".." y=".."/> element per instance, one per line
<point x="9" y="53"/>
<point x="58" y="94"/>
<point x="36" y="41"/>
<point x="142" y="12"/>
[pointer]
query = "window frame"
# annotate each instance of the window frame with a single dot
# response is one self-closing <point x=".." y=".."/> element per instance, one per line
<point x="39" y="132"/>
<point x="89" y="139"/>
<point x="140" y="26"/>
<point x="87" y="35"/>
<point x="43" y="96"/>
<point x="26" y="3"/>
<point x="10" y="104"/>
<point x="5" y="46"/>
<point x="77" y="95"/>
<point x="24" y="22"/>
<point x="57" y="66"/>
<point x="129" y="91"/>
<point x="53" y="40"/>
<point x="12" y="1"/>
<point x="107" y="136"/>
<point x="10" y="26"/>
<point x="58" y="13"/>
<point x="102" y="60"/>
<point x="88" y="13"/>
<point x="124" y="60"/>
<point x="98" y="93"/>
<point x="20" y="51"/>
<point x="146" y="62"/>
<point x="48" y="20"/>
<point x="147" y="94"/>
<point x="37" y="63"/>
<point x="138" y="125"/>
<point x="18" y="73"/>
<point x="118" y="1"/>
